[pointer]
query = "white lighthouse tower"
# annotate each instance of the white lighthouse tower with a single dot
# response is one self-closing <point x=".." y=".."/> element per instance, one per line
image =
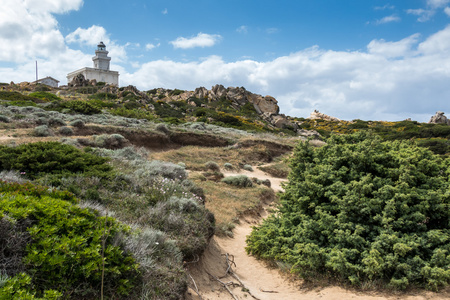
<point x="101" y="59"/>
<point x="100" y="72"/>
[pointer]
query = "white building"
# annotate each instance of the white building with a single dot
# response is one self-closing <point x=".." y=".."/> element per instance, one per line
<point x="50" y="81"/>
<point x="100" y="72"/>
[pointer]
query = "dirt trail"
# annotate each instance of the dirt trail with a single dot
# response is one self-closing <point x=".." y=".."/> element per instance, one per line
<point x="260" y="281"/>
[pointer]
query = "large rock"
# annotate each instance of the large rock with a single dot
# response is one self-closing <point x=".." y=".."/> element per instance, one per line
<point x="318" y="115"/>
<point x="439" y="118"/>
<point x="218" y="91"/>
<point x="267" y="104"/>
<point x="201" y="92"/>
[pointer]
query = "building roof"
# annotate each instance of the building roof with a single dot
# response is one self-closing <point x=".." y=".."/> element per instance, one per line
<point x="48" y="77"/>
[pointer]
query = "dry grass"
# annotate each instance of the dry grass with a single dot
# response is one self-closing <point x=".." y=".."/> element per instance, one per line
<point x="196" y="157"/>
<point x="228" y="203"/>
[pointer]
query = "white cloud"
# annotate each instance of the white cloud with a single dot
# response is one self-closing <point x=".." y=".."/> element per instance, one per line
<point x="432" y="7"/>
<point x="201" y="40"/>
<point x="93" y="35"/>
<point x="52" y="6"/>
<point x="392" y="80"/>
<point x="387" y="6"/>
<point x="242" y="29"/>
<point x="388" y="19"/>
<point x="401" y="48"/>
<point x="447" y="11"/>
<point x="165" y="11"/>
<point x="437" y="3"/>
<point x="90" y="36"/>
<point x="151" y="46"/>
<point x="423" y="14"/>
<point x="29" y="30"/>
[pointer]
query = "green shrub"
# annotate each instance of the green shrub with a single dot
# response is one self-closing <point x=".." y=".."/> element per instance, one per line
<point x="186" y="221"/>
<point x="42" y="130"/>
<point x="248" y="168"/>
<point x="77" y="123"/>
<point x="56" y="122"/>
<point x="65" y="256"/>
<point x="238" y="180"/>
<point x="162" y="128"/>
<point x="82" y="107"/>
<point x="133" y="113"/>
<point x="50" y="158"/>
<point x="4" y="119"/>
<point x="362" y="210"/>
<point x="44" y="96"/>
<point x="15" y="96"/>
<point x="211" y="165"/>
<point x="103" y="96"/>
<point x="110" y="141"/>
<point x="176" y="92"/>
<point x="64" y="130"/>
<point x="228" y="166"/>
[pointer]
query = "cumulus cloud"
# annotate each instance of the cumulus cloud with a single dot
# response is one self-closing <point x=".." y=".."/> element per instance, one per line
<point x="400" y="48"/>
<point x="388" y="19"/>
<point x="201" y="40"/>
<point x="447" y="11"/>
<point x="28" y="28"/>
<point x="423" y="14"/>
<point x="437" y="3"/>
<point x="432" y="6"/>
<point x="90" y="36"/>
<point x="29" y="32"/>
<point x="391" y="80"/>
<point x="93" y="35"/>
<point x="149" y="46"/>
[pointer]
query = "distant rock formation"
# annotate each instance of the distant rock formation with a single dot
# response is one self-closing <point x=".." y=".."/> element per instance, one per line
<point x="239" y="97"/>
<point x="318" y="115"/>
<point x="266" y="106"/>
<point x="439" y="118"/>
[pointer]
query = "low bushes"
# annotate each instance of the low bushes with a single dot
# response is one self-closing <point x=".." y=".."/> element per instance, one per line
<point x="71" y="251"/>
<point x="81" y="107"/>
<point x="363" y="211"/>
<point x="238" y="180"/>
<point x="40" y="158"/>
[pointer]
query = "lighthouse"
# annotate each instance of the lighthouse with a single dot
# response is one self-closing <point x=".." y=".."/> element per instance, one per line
<point x="100" y="71"/>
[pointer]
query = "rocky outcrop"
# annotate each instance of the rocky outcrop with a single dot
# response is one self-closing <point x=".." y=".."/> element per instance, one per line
<point x="439" y="118"/>
<point x="318" y="115"/>
<point x="266" y="106"/>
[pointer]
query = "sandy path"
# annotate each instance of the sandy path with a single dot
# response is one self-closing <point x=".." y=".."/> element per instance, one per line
<point x="262" y="282"/>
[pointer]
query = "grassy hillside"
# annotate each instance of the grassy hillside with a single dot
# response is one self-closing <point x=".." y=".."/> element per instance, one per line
<point x="140" y="181"/>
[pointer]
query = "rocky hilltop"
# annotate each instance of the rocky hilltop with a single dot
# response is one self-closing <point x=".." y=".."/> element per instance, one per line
<point x="266" y="106"/>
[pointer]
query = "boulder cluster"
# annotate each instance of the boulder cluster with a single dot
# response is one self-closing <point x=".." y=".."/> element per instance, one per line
<point x="439" y="118"/>
<point x="266" y="106"/>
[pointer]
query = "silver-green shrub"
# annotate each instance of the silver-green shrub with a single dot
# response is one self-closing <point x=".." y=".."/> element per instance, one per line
<point x="238" y="180"/>
<point x="42" y="131"/>
<point x="64" y="130"/>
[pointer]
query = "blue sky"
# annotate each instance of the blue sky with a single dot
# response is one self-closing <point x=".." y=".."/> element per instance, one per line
<point x="371" y="59"/>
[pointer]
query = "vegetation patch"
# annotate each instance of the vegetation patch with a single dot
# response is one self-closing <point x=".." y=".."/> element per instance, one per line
<point x="363" y="210"/>
<point x="36" y="159"/>
<point x="71" y="250"/>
